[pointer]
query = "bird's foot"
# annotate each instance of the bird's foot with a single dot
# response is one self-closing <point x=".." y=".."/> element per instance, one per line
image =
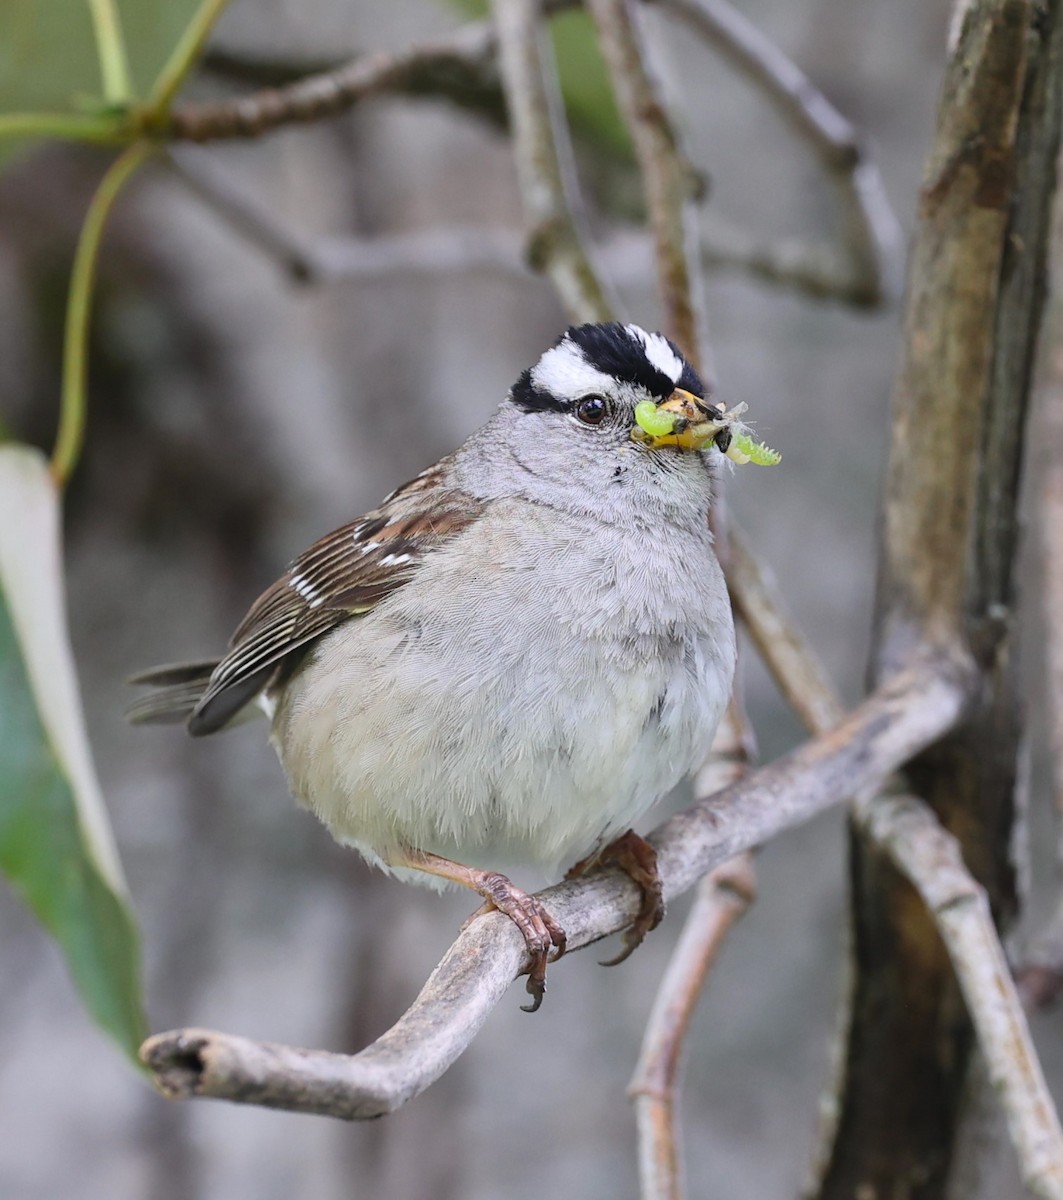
<point x="637" y="859"/>
<point x="538" y="928"/>
<point x="540" y="931"/>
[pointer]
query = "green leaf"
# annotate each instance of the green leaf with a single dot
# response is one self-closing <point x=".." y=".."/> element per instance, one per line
<point x="56" y="847"/>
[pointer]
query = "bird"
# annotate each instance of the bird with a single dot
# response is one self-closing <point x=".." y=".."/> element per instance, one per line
<point x="514" y="656"/>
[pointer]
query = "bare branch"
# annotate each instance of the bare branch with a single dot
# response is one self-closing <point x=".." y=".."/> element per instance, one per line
<point x="540" y="145"/>
<point x="950" y="529"/>
<point x="1050" y="523"/>
<point x="930" y="859"/>
<point x="468" y="52"/>
<point x="863" y="267"/>
<point x="1040" y="978"/>
<point x="908" y="712"/>
<point x="438" y="251"/>
<point x="722" y="897"/>
<point x="666" y="176"/>
<point x="792" y="662"/>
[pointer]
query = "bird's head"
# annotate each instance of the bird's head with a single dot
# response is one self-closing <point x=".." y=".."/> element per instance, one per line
<point x="621" y="385"/>
<point x="611" y="421"/>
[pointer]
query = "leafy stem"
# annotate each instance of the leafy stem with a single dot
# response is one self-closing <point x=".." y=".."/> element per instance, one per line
<point x="110" y="46"/>
<point x="104" y="127"/>
<point x="184" y="56"/>
<point x="73" y="404"/>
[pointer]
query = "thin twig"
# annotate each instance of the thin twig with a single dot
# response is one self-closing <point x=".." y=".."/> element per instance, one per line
<point x="185" y="55"/>
<point x="905" y="714"/>
<point x="721" y="898"/>
<point x="74" y="400"/>
<point x="864" y="266"/>
<point x="331" y="259"/>
<point x="110" y="50"/>
<point x="537" y="124"/>
<point x="929" y="857"/>
<point x="463" y="68"/>
<point x="1050" y="523"/>
<point x="794" y="665"/>
<point x="470" y="49"/>
<point x="1040" y="977"/>
<point x="665" y="174"/>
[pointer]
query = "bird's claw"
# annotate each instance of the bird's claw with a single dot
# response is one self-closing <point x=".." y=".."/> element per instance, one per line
<point x="540" y="931"/>
<point x="637" y="858"/>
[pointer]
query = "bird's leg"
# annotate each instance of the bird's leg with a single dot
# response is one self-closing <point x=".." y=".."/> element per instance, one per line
<point x="538" y="928"/>
<point x="637" y="859"/>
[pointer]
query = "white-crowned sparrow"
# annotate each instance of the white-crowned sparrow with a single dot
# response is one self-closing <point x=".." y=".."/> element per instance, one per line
<point x="518" y="652"/>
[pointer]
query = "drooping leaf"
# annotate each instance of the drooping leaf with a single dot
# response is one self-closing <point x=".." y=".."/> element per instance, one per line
<point x="56" y="846"/>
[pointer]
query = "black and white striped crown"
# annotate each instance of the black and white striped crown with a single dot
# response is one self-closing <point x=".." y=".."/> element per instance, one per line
<point x="591" y="358"/>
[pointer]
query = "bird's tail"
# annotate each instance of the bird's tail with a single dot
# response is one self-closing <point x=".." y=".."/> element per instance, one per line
<point x="179" y="688"/>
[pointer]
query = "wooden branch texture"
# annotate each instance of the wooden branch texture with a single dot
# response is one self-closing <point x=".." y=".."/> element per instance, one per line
<point x="946" y="577"/>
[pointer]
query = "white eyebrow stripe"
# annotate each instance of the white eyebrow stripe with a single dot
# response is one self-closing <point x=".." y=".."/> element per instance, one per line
<point x="564" y="372"/>
<point x="658" y="352"/>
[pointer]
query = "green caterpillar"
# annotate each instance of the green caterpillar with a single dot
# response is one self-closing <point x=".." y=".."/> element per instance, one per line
<point x="652" y="420"/>
<point x="742" y="448"/>
<point x="743" y="444"/>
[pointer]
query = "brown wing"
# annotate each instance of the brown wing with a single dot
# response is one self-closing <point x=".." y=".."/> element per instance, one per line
<point x="344" y="574"/>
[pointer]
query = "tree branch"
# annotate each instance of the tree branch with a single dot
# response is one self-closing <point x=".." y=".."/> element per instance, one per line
<point x="930" y="859"/>
<point x="436" y="251"/>
<point x="722" y="897"/>
<point x="469" y="52"/>
<point x="666" y="177"/>
<point x="540" y="146"/>
<point x="946" y="577"/>
<point x="864" y="266"/>
<point x="906" y="713"/>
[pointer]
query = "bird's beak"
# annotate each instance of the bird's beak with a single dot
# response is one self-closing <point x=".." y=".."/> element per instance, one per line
<point x="682" y="420"/>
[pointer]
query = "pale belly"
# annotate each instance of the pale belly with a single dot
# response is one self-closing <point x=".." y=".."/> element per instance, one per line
<point x="437" y="731"/>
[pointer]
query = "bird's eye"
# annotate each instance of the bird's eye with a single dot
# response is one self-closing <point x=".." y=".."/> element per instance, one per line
<point x="591" y="410"/>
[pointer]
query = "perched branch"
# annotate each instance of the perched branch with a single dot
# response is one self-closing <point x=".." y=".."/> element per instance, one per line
<point x="930" y="859"/>
<point x="541" y="149"/>
<point x="905" y="714"/>
<point x="863" y="266"/>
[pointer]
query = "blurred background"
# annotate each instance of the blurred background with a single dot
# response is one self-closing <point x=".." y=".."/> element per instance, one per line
<point x="235" y="416"/>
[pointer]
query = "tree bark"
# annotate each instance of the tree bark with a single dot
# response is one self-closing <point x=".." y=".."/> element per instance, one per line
<point x="975" y="295"/>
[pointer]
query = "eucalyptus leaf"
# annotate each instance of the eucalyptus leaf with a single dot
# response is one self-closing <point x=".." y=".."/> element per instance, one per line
<point x="56" y="847"/>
